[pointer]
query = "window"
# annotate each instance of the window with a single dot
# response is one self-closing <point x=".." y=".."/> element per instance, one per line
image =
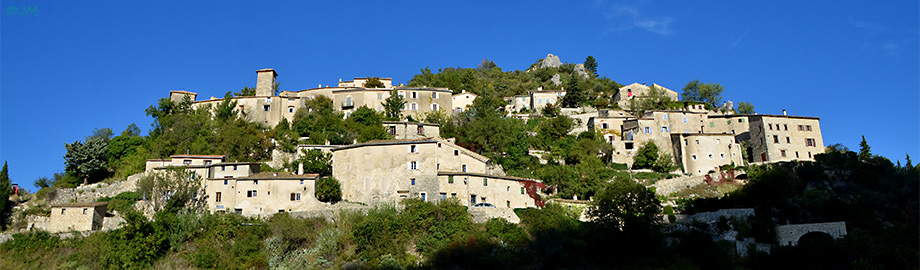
<point x="217" y="197"/>
<point x="226" y="182"/>
<point x="785" y="127"/>
<point x="464" y="167"/>
<point x="393" y="130"/>
<point x="664" y="116"/>
<point x="379" y="95"/>
<point x="697" y="141"/>
<point x="740" y="120"/>
<point x="412" y="181"/>
<point x="712" y="124"/>
<point x="508" y="189"/>
<point x="718" y="141"/>
<point x="801" y="127"/>
<point x="207" y="162"/>
<point x="434" y="94"/>
<point x="453" y="195"/>
<point x="456" y="152"/>
<point x="223" y="168"/>
<point x="414" y="94"/>
<point x="710" y="155"/>
<point x="647" y="130"/>
<point x="421" y="129"/>
<point x="604" y="125"/>
<point x="686" y="142"/>
<point x="267" y="108"/>
<point x="301" y="181"/>
<point x="422" y="194"/>
<point x="771" y="126"/>
<point x="809" y="154"/>
<point x="403" y="94"/>
<point x="255" y="182"/>
<point x="508" y="204"/>
<point x="413" y="107"/>
<point x="787" y="140"/>
<point x="782" y="153"/>
<point x="796" y="154"/>
<point x="775" y="139"/>
<point x="187" y="162"/>
<point x="450" y="179"/>
<point x="234" y="167"/>
<point x="413" y="149"/>
<point x="348" y="102"/>
<point x="808" y="128"/>
<point x="809" y="142"/>
<point x="413" y="165"/>
<point x="84" y="211"/>
<point x="290" y="109"/>
<point x="268" y="99"/>
<point x="434" y="107"/>
<point x="728" y="122"/>
<point x="250" y="193"/>
<point x="485" y="181"/>
<point x="693" y="157"/>
<point x="664" y="129"/>
<point x="62" y="210"/>
<point x="522" y="190"/>
<point x="443" y="196"/>
<point x="722" y="155"/>
<point x="685" y="120"/>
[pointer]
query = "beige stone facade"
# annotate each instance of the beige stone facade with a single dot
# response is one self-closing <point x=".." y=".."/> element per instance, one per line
<point x="412" y="130"/>
<point x="205" y="166"/>
<point x="262" y="193"/>
<point x="359" y="83"/>
<point x="388" y="171"/>
<point x="657" y="127"/>
<point x="461" y="101"/>
<point x="77" y="217"/>
<point x="777" y="138"/>
<point x="539" y="99"/>
<point x="698" y="153"/>
<point x="636" y="89"/>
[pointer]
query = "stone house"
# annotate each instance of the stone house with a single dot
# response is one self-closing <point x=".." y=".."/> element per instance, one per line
<point x="628" y="92"/>
<point x="462" y="100"/>
<point x="391" y="170"/>
<point x="539" y="99"/>
<point x="412" y="130"/>
<point x="205" y="166"/>
<point x="77" y="217"/>
<point x="698" y="153"/>
<point x="777" y="138"/>
<point x="262" y="193"/>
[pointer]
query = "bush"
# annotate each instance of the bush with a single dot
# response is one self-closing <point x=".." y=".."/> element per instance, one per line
<point x="502" y="230"/>
<point x="328" y="190"/>
<point x="122" y="202"/>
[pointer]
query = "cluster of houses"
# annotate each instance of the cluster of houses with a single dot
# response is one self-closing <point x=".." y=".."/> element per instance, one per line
<point x="418" y="163"/>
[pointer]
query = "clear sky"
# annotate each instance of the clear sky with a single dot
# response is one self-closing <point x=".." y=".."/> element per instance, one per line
<point x="67" y="67"/>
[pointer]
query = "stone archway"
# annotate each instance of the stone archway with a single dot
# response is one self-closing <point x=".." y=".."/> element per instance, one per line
<point x="789" y="235"/>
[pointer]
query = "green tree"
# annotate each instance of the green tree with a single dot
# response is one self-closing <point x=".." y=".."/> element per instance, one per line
<point x="655" y="99"/>
<point x="745" y="107"/>
<point x="43" y="182"/>
<point x="591" y="65"/>
<point x="646" y="156"/>
<point x="864" y="150"/>
<point x="314" y="161"/>
<point x="171" y="189"/>
<point x="626" y="205"/>
<point x="226" y="109"/>
<point x="328" y="189"/>
<point x="5" y="191"/>
<point x="246" y="92"/>
<point x="710" y="93"/>
<point x="374" y="82"/>
<point x="87" y="161"/>
<point x="838" y="148"/>
<point x="664" y="163"/>
<point x="575" y="93"/>
<point x="393" y="105"/>
<point x="285" y="137"/>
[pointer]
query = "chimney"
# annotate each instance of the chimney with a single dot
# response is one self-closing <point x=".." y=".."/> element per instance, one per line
<point x="265" y="82"/>
<point x="300" y="168"/>
<point x="784" y="112"/>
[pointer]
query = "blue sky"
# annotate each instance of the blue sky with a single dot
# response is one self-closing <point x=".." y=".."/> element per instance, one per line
<point x="67" y="67"/>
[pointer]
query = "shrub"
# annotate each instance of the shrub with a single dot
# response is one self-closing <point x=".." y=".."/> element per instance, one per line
<point x="502" y="230"/>
<point x="122" y="202"/>
<point x="328" y="190"/>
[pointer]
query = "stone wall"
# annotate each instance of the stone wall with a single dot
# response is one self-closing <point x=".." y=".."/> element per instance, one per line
<point x="483" y="214"/>
<point x="788" y="235"/>
<point x="712" y="217"/>
<point x="92" y="192"/>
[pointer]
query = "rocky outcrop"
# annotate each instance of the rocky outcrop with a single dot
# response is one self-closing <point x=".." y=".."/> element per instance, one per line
<point x="580" y="70"/>
<point x="550" y="61"/>
<point x="557" y="80"/>
<point x="91" y="193"/>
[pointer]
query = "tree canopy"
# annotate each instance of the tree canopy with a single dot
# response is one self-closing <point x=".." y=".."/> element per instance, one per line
<point x="374" y="82"/>
<point x="709" y="93"/>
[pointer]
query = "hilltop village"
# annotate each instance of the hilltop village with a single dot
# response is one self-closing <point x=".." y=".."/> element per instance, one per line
<point x="550" y="167"/>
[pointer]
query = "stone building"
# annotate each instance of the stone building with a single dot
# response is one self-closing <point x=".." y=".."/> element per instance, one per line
<point x="698" y="153"/>
<point x="269" y="106"/>
<point x="204" y="166"/>
<point x="262" y="193"/>
<point x="540" y="98"/>
<point x="777" y="138"/>
<point x="412" y="130"/>
<point x="462" y="100"/>
<point x="657" y="127"/>
<point x="77" y="217"/>
<point x="628" y="92"/>
<point x="388" y="171"/>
